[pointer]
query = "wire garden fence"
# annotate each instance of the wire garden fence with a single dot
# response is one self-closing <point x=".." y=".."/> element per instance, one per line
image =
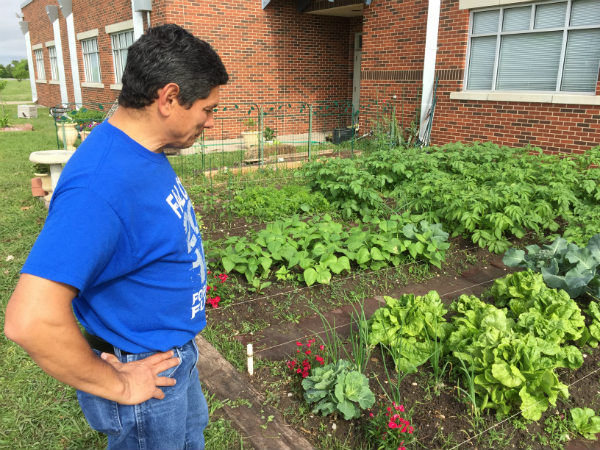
<point x="250" y="136"/>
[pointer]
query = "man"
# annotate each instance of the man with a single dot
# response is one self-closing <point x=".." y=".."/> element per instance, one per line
<point x="122" y="250"/>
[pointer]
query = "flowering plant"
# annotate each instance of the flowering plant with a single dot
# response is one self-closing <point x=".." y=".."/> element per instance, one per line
<point x="211" y="288"/>
<point x="308" y="352"/>
<point x="389" y="427"/>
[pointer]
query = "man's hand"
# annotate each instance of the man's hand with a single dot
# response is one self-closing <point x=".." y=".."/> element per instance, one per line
<point x="140" y="378"/>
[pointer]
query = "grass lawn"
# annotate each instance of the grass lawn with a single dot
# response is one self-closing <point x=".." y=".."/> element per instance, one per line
<point x="36" y="411"/>
<point x="16" y="91"/>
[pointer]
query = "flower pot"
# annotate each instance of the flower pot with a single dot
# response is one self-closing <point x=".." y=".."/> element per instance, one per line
<point x="67" y="134"/>
<point x="46" y="181"/>
<point x="250" y="138"/>
<point x="83" y="134"/>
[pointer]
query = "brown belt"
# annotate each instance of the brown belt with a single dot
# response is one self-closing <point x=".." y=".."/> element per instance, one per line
<point x="100" y="344"/>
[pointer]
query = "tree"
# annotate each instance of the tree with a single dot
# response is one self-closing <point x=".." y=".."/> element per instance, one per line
<point x="3" y="72"/>
<point x="21" y="70"/>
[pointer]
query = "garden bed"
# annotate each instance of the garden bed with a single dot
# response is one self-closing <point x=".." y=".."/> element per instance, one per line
<point x="282" y="290"/>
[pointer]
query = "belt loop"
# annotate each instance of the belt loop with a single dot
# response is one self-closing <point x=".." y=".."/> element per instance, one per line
<point x="122" y="357"/>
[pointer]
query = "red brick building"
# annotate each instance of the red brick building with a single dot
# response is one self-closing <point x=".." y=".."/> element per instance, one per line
<point x="512" y="72"/>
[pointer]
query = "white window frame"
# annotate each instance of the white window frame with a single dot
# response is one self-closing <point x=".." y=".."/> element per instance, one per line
<point x="53" y="63"/>
<point x="499" y="33"/>
<point x="118" y="52"/>
<point x="88" y="55"/>
<point x="40" y="70"/>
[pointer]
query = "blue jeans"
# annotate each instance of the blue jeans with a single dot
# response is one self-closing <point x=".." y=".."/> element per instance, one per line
<point x="175" y="423"/>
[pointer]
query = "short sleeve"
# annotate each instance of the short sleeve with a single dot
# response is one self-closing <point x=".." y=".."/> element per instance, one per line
<point x="78" y="241"/>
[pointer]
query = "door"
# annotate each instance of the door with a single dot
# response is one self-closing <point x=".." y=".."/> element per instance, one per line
<point x="356" y="76"/>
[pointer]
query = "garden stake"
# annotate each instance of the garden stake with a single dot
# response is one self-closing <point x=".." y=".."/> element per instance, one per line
<point x="250" y="359"/>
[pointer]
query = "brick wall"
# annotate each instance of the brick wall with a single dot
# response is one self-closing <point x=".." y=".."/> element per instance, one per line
<point x="392" y="60"/>
<point x="272" y="55"/>
<point x="279" y="55"/>
<point x="85" y="19"/>
<point x="393" y="52"/>
<point x="41" y="31"/>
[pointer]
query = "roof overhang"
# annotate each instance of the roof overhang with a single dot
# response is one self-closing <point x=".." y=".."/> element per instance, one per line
<point x="339" y="8"/>
<point x="351" y="10"/>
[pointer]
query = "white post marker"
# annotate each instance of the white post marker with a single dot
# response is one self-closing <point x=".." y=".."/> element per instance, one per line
<point x="250" y="359"/>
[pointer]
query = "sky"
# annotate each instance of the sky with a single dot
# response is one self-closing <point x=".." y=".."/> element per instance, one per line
<point x="12" y="42"/>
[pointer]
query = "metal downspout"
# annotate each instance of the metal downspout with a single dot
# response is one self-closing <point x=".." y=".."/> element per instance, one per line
<point x="433" y="20"/>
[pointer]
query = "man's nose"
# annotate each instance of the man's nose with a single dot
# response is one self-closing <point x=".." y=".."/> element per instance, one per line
<point x="210" y="122"/>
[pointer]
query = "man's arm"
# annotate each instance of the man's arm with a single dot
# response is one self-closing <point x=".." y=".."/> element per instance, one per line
<point x="39" y="318"/>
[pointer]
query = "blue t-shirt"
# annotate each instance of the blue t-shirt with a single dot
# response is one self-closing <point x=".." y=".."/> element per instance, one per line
<point x="122" y="229"/>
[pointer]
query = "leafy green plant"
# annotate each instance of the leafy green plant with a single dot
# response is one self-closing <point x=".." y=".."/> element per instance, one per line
<point x="337" y="387"/>
<point x="548" y="313"/>
<point x="586" y="421"/>
<point x="269" y="134"/>
<point x="4" y="121"/>
<point x="317" y="249"/>
<point x="250" y="124"/>
<point x="269" y="203"/>
<point x="591" y="334"/>
<point x="513" y="354"/>
<point x="413" y="326"/>
<point x="481" y="191"/>
<point x="563" y="265"/>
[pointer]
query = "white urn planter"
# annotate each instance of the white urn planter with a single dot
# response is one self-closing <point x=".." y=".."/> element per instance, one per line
<point x="67" y="134"/>
<point x="250" y="138"/>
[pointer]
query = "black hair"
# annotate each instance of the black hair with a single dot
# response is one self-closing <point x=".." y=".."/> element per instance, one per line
<point x="170" y="54"/>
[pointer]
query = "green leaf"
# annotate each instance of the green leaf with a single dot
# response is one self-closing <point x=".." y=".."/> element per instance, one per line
<point x="228" y="264"/>
<point x="363" y="256"/>
<point x="323" y="276"/>
<point x="513" y="257"/>
<point x="376" y="254"/>
<point x="586" y="421"/>
<point x="310" y="276"/>
<point x="508" y="375"/>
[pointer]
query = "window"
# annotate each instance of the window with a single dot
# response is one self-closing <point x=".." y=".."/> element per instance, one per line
<point x="120" y="44"/>
<point x="91" y="60"/>
<point x="538" y="47"/>
<point x="53" y="63"/>
<point x="39" y="64"/>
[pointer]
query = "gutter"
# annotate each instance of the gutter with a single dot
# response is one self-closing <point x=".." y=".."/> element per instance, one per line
<point x="431" y="39"/>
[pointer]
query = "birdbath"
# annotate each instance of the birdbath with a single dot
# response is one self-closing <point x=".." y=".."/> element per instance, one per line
<point x="55" y="159"/>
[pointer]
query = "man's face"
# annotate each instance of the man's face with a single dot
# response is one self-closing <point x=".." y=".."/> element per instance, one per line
<point x="187" y="124"/>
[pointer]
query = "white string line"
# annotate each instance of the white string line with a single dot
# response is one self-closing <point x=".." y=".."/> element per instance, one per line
<point x="338" y="280"/>
<point x="349" y="323"/>
<point x="519" y="412"/>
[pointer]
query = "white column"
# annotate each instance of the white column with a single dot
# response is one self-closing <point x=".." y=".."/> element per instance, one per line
<point x="25" y="30"/>
<point x="66" y="8"/>
<point x="431" y="39"/>
<point x="138" y="21"/>
<point x="52" y="11"/>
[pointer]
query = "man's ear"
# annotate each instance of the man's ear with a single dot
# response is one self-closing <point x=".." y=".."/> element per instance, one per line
<point x="167" y="99"/>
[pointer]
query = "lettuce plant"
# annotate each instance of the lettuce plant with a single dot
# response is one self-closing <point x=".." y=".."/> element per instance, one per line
<point x="338" y="387"/>
<point x="586" y="421"/>
<point x="513" y="352"/>
<point x="409" y="327"/>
